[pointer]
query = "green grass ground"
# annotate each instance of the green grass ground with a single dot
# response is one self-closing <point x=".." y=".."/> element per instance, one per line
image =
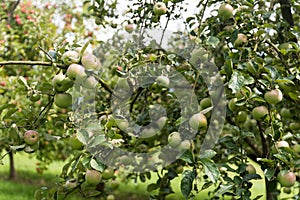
<point x="28" y="181"/>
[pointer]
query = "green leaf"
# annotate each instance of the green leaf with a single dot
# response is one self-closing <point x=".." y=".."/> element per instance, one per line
<point x="22" y="81"/>
<point x="186" y="184"/>
<point x="10" y="113"/>
<point x="211" y="169"/>
<point x="96" y="141"/>
<point x="187" y="156"/>
<point x="249" y="177"/>
<point x="208" y="154"/>
<point x="152" y="187"/>
<point x="212" y="41"/>
<point x="236" y="82"/>
<point x="97" y="165"/>
<point x="14" y="148"/>
<point x="5" y="106"/>
<point x="83" y="136"/>
<point x="223" y="189"/>
<point x="269" y="173"/>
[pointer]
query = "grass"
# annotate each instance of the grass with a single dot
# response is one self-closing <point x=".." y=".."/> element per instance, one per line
<point x="29" y="180"/>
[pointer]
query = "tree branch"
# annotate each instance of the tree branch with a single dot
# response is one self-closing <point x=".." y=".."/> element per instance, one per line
<point x="32" y="63"/>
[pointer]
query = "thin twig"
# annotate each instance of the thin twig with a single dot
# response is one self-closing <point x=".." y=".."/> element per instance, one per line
<point x="42" y="63"/>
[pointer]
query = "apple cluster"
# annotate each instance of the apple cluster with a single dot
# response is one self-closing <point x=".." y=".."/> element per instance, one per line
<point x="78" y="72"/>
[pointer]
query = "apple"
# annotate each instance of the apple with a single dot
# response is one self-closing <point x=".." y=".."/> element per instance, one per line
<point x="70" y="57"/>
<point x="163" y="80"/>
<point x="251" y="169"/>
<point x="114" y="184"/>
<point x="198" y="56"/>
<point x="179" y="169"/>
<point x="160" y="8"/>
<point x="294" y="126"/>
<point x="285" y="113"/>
<point x="273" y="96"/>
<point x="31" y="137"/>
<point x="122" y="123"/>
<point x="125" y="160"/>
<point x="108" y="173"/>
<point x="75" y="143"/>
<point x="198" y="121"/>
<point x="148" y="132"/>
<point x="286" y="179"/>
<point x="161" y="122"/>
<point x="174" y="139"/>
<point x="287" y="190"/>
<point x="225" y="11"/>
<point x="259" y="112"/>
<point x="282" y="143"/>
<point x="35" y="97"/>
<point x="184" y="145"/>
<point x="70" y="184"/>
<point x="90" y="62"/>
<point x="90" y="82"/>
<point x="241" y="117"/>
<point x="205" y="103"/>
<point x="232" y="104"/>
<point x="93" y="177"/>
<point x="110" y="197"/>
<point x="285" y="46"/>
<point x="296" y="148"/>
<point x="61" y="83"/>
<point x="129" y="28"/>
<point x="76" y="72"/>
<point x="240" y="40"/>
<point x="62" y="100"/>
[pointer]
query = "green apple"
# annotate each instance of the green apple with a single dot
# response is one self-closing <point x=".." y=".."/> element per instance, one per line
<point x="174" y="139"/>
<point x="240" y="40"/>
<point x="122" y="123"/>
<point x="125" y="160"/>
<point x="225" y="11"/>
<point x="90" y="62"/>
<point x="160" y="8"/>
<point x="148" y="132"/>
<point x="296" y="148"/>
<point x="76" y="72"/>
<point x="129" y="28"/>
<point x="273" y="96"/>
<point x="285" y="46"/>
<point x="75" y="143"/>
<point x="241" y="117"/>
<point x="61" y="83"/>
<point x="163" y="80"/>
<point x="70" y="57"/>
<point x="251" y="169"/>
<point x="282" y="143"/>
<point x="198" y="121"/>
<point x="63" y="100"/>
<point x="185" y="145"/>
<point x="114" y="184"/>
<point x="179" y="169"/>
<point x="108" y="173"/>
<point x="294" y="126"/>
<point x="259" y="112"/>
<point x="93" y="177"/>
<point x="205" y="103"/>
<point x="70" y="184"/>
<point x="232" y="104"/>
<point x="90" y="82"/>
<point x="31" y="137"/>
<point x="110" y="197"/>
<point x="287" y="190"/>
<point x="35" y="97"/>
<point x="286" y="179"/>
<point x="285" y="113"/>
<point x="198" y="56"/>
<point x="161" y="122"/>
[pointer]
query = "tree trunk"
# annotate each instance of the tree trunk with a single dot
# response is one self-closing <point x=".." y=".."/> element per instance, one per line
<point x="12" y="170"/>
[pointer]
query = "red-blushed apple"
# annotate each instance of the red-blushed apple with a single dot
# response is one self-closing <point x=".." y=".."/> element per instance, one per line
<point x="282" y="143"/>
<point x="163" y="80"/>
<point x="76" y="72"/>
<point x="240" y="40"/>
<point x="273" y="96"/>
<point x="198" y="121"/>
<point x="93" y="177"/>
<point x="160" y="8"/>
<point x="70" y="57"/>
<point x="129" y="28"/>
<point x="108" y="173"/>
<point x="90" y="82"/>
<point x="260" y="112"/>
<point x="70" y="184"/>
<point x="286" y="179"/>
<point x="63" y="100"/>
<point x="90" y="62"/>
<point x="31" y="137"/>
